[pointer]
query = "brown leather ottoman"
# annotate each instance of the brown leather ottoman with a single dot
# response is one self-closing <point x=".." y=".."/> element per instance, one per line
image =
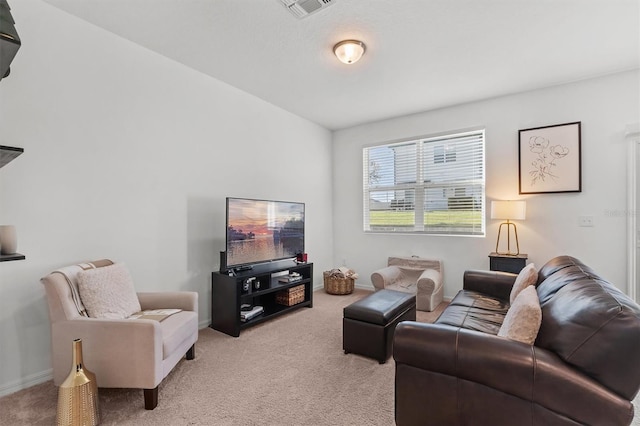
<point x="369" y="323"/>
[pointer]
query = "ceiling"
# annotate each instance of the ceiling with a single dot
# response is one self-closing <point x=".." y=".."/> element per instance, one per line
<point x="421" y="54"/>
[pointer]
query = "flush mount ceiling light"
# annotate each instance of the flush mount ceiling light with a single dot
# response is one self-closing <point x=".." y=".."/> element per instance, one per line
<point x="349" y="51"/>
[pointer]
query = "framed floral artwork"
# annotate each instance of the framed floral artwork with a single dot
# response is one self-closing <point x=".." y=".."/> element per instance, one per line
<point x="550" y="159"/>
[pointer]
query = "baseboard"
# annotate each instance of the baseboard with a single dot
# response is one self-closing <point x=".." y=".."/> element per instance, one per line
<point x="364" y="286"/>
<point x="26" y="382"/>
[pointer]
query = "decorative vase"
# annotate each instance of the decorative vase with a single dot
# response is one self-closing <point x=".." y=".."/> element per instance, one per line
<point x="78" y="394"/>
<point x="8" y="239"/>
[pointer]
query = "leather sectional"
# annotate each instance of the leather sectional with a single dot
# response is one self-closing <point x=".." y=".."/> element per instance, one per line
<point x="583" y="369"/>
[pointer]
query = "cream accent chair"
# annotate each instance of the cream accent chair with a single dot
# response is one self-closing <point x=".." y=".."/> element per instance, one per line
<point x="123" y="353"/>
<point x="413" y="275"/>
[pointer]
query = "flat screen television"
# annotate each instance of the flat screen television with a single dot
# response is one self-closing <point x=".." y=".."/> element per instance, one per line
<point x="260" y="231"/>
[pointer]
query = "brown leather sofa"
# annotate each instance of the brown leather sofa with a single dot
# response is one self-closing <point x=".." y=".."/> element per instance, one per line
<point x="584" y="368"/>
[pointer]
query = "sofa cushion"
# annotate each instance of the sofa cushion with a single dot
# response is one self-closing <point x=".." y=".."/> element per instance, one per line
<point x="527" y="276"/>
<point x="590" y="324"/>
<point x="108" y="292"/>
<point x="475" y="311"/>
<point x="523" y="318"/>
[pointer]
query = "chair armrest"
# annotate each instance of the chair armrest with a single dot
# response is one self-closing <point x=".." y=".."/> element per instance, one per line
<point x="385" y="276"/>
<point x="185" y="300"/>
<point x="514" y="368"/>
<point x="492" y="283"/>
<point x="104" y="341"/>
<point x="430" y="280"/>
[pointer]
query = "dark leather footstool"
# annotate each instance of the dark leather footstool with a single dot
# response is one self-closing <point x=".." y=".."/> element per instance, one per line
<point x="369" y="323"/>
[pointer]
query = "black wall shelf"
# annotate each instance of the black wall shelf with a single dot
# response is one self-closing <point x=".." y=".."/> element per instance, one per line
<point x="10" y="257"/>
<point x="8" y="154"/>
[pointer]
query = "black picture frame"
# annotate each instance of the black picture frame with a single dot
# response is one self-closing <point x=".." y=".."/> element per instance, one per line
<point x="550" y="159"/>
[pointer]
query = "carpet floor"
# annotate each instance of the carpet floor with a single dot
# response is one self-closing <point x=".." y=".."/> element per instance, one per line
<point x="287" y="371"/>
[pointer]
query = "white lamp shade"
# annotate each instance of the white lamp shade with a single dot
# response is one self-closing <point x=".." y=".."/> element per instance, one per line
<point x="507" y="209"/>
<point x="349" y="51"/>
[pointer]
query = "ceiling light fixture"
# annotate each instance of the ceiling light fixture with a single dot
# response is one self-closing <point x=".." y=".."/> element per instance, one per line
<point x="349" y="51"/>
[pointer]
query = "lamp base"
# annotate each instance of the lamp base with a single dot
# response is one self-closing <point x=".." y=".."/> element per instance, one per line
<point x="508" y="253"/>
<point x="515" y="233"/>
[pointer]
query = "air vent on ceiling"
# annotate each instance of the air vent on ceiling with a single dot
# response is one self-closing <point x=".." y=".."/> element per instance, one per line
<point x="303" y="8"/>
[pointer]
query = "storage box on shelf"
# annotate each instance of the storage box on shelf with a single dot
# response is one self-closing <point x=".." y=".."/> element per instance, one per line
<point x="291" y="296"/>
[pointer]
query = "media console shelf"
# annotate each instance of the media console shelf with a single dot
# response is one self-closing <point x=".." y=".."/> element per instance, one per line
<point x="257" y="286"/>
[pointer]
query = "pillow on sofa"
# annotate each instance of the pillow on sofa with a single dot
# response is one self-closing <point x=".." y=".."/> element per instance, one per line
<point x="108" y="292"/>
<point x="527" y="276"/>
<point x="523" y="319"/>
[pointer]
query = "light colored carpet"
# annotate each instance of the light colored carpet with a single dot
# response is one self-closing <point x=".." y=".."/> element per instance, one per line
<point x="288" y="371"/>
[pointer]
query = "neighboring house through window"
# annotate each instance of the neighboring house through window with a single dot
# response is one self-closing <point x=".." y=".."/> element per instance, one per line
<point x="444" y="153"/>
<point x="433" y="185"/>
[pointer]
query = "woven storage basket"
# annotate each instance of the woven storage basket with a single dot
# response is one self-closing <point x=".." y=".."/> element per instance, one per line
<point x="333" y="285"/>
<point x="291" y="296"/>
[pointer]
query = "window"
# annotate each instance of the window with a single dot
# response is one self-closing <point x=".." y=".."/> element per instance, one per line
<point x="433" y="185"/>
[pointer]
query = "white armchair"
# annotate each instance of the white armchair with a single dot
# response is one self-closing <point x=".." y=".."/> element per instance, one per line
<point x="413" y="275"/>
<point x="123" y="353"/>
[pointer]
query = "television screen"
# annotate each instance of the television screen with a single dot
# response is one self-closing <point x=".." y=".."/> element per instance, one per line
<point x="262" y="230"/>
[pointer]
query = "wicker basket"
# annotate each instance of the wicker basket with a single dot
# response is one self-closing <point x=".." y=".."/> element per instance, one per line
<point x="333" y="285"/>
<point x="291" y="296"/>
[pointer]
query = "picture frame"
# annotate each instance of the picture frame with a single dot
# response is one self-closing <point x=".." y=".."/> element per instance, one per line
<point x="550" y="159"/>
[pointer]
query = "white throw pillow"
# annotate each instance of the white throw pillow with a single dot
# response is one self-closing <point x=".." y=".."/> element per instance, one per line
<point x="527" y="276"/>
<point x="523" y="318"/>
<point x="108" y="292"/>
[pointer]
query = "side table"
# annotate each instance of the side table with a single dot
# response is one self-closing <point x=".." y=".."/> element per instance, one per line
<point x="507" y="263"/>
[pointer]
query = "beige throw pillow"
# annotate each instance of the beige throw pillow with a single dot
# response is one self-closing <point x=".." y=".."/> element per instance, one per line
<point x="527" y="276"/>
<point x="108" y="292"/>
<point x="523" y="318"/>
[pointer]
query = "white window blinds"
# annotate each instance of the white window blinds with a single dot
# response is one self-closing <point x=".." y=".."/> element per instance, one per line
<point x="432" y="185"/>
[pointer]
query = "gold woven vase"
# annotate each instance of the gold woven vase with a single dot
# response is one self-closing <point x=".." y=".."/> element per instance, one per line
<point x="78" y="394"/>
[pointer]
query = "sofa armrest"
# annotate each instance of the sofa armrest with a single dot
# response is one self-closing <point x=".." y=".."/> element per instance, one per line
<point x="185" y="300"/>
<point x="385" y="276"/>
<point x="430" y="281"/>
<point x="529" y="373"/>
<point x="492" y="283"/>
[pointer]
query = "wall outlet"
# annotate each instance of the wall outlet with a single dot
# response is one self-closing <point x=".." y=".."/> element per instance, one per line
<point x="586" y="221"/>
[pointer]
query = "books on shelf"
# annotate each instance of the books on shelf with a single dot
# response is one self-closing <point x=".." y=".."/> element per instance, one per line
<point x="292" y="277"/>
<point x="254" y="312"/>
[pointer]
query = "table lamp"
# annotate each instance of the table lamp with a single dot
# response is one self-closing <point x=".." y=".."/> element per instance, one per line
<point x="508" y="210"/>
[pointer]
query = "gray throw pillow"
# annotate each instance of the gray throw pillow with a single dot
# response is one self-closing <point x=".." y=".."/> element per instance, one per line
<point x="108" y="292"/>
<point x="523" y="318"/>
<point x="527" y="276"/>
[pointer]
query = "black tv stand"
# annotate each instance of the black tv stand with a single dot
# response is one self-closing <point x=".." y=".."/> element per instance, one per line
<point x="258" y="285"/>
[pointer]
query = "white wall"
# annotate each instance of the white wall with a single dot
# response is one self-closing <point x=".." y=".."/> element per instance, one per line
<point x="129" y="155"/>
<point x="603" y="105"/>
